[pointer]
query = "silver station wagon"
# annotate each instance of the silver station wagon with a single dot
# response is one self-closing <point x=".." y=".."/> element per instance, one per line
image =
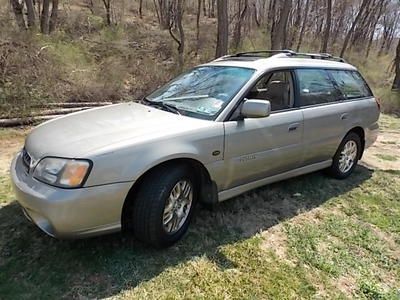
<point x="214" y="132"/>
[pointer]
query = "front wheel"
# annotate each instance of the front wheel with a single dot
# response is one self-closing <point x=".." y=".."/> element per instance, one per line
<point x="346" y="157"/>
<point x="164" y="206"/>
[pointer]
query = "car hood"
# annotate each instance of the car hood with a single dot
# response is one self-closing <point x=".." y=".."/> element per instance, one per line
<point x="78" y="134"/>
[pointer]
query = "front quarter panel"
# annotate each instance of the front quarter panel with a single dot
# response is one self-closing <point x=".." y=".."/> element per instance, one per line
<point x="128" y="162"/>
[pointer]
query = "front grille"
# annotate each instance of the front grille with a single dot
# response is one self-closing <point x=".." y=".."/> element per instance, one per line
<point x="26" y="158"/>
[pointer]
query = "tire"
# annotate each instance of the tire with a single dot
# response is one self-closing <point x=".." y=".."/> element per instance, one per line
<point x="150" y="206"/>
<point x="340" y="170"/>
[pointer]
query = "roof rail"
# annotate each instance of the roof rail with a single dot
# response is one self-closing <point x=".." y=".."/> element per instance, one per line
<point x="287" y="53"/>
<point x="254" y="53"/>
<point x="326" y="56"/>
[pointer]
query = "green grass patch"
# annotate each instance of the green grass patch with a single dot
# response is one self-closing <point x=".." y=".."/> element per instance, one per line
<point x="223" y="256"/>
<point x="386" y="157"/>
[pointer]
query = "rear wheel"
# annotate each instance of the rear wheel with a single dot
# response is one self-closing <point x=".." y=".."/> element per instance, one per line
<point x="164" y="206"/>
<point x="346" y="157"/>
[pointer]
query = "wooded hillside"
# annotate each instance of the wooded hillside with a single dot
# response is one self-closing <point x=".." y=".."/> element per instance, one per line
<point x="112" y="50"/>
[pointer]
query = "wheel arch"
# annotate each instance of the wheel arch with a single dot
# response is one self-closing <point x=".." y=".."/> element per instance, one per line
<point x="361" y="133"/>
<point x="207" y="187"/>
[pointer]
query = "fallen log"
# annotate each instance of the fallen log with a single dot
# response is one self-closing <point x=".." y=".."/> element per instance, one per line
<point x="72" y="104"/>
<point x="45" y="115"/>
<point x="59" y="111"/>
<point x="13" y="122"/>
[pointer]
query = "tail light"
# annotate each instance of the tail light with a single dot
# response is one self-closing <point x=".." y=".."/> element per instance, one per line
<point x="378" y="103"/>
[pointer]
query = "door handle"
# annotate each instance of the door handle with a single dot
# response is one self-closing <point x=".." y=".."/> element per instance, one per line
<point x="344" y="116"/>
<point x="293" y="127"/>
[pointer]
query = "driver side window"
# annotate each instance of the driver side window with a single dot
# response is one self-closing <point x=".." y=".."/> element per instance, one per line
<point x="276" y="88"/>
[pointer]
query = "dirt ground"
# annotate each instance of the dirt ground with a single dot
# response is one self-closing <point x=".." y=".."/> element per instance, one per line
<point x="385" y="153"/>
<point x="11" y="141"/>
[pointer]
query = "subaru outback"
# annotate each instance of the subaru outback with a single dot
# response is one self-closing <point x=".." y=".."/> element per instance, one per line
<point x="218" y="130"/>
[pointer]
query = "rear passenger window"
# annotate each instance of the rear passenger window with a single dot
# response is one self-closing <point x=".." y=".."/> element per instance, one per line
<point x="316" y="87"/>
<point x="351" y="84"/>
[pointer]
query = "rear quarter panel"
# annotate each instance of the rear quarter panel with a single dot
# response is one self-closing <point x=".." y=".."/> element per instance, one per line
<point x="363" y="113"/>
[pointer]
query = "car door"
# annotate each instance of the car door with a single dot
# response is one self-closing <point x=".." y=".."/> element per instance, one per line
<point x="258" y="148"/>
<point x="325" y="114"/>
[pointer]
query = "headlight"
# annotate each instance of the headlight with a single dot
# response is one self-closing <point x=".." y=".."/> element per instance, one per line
<point x="62" y="172"/>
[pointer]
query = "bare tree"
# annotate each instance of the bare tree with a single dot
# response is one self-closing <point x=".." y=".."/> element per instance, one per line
<point x="223" y="28"/>
<point x="364" y="5"/>
<point x="297" y="23"/>
<point x="279" y="27"/>
<point x="53" y="16"/>
<point x="107" y="7"/>
<point x="396" y="82"/>
<point x="199" y="3"/>
<point x="18" y="8"/>
<point x="304" y="25"/>
<point x="30" y="9"/>
<point x="237" y="31"/>
<point x="48" y="22"/>
<point x="163" y="11"/>
<point x="211" y="8"/>
<point x="325" y="38"/>
<point x="176" y="22"/>
<point x="382" y="6"/>
<point x="45" y="17"/>
<point x="141" y="9"/>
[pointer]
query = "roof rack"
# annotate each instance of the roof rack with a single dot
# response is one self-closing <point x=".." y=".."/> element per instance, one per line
<point x="326" y="56"/>
<point x="286" y="53"/>
<point x="255" y="53"/>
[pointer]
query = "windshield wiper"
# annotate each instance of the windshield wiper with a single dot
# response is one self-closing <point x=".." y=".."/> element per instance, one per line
<point x="160" y="104"/>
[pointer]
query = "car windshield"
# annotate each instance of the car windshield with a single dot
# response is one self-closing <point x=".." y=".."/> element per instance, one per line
<point x="203" y="92"/>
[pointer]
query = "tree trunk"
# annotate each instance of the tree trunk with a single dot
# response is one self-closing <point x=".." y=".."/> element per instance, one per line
<point x="297" y="24"/>
<point x="18" y="12"/>
<point x="279" y="32"/>
<point x="54" y="16"/>
<point x="237" y="32"/>
<point x="364" y="4"/>
<point x="270" y="15"/>
<point x="340" y="22"/>
<point x="223" y="27"/>
<point x="372" y="31"/>
<point x="328" y="23"/>
<point x="181" y="46"/>
<point x="141" y="9"/>
<point x="396" y="82"/>
<point x="199" y="2"/>
<point x="30" y="8"/>
<point x="44" y="20"/>
<point x="212" y="10"/>
<point x="176" y="22"/>
<point x="304" y="25"/>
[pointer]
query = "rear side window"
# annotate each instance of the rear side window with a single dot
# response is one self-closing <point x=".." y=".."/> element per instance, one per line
<point x="351" y="84"/>
<point x="316" y="87"/>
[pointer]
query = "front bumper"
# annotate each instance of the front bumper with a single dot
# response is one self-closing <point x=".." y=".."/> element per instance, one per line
<point x="69" y="213"/>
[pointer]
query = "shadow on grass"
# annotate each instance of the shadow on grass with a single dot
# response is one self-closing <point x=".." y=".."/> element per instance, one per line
<point x="33" y="265"/>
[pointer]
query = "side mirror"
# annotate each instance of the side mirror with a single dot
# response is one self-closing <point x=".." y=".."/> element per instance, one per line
<point x="254" y="108"/>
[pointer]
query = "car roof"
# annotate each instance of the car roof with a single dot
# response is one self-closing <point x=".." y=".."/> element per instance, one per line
<point x="279" y="61"/>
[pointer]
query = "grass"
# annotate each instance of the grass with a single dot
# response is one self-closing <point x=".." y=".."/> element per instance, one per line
<point x="308" y="237"/>
<point x="386" y="157"/>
